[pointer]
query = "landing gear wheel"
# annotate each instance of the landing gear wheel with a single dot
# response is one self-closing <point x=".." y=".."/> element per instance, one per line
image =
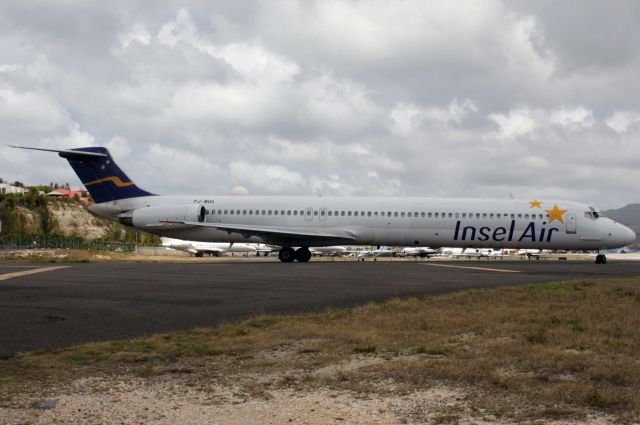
<point x="199" y="254"/>
<point x="601" y="259"/>
<point x="287" y="255"/>
<point x="303" y="255"/>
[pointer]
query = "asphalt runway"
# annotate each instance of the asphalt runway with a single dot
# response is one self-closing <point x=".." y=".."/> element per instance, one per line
<point x="55" y="307"/>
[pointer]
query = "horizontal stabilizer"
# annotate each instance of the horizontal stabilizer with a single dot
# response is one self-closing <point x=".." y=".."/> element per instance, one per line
<point x="63" y="151"/>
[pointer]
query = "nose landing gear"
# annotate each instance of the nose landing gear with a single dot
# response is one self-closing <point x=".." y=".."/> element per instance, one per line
<point x="288" y="255"/>
<point x="601" y="259"/>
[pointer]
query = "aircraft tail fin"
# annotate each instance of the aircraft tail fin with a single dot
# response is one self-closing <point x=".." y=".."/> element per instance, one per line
<point x="99" y="173"/>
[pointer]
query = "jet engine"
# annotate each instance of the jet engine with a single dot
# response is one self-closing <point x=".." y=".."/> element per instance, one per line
<point x="164" y="215"/>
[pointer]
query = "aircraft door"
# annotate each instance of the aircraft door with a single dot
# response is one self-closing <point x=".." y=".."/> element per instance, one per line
<point x="571" y="223"/>
<point x="323" y="214"/>
<point x="308" y="214"/>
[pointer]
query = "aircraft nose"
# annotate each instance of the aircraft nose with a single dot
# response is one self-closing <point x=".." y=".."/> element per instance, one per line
<point x="629" y="236"/>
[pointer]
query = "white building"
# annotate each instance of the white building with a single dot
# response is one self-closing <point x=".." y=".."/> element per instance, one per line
<point x="7" y="188"/>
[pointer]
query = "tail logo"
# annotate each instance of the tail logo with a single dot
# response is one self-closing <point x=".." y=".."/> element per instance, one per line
<point x="114" y="179"/>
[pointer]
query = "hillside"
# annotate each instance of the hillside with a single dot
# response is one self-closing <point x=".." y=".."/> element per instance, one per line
<point x="628" y="215"/>
<point x="38" y="215"/>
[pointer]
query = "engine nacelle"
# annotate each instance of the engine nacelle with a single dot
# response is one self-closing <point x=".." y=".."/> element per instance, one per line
<point x="164" y="215"/>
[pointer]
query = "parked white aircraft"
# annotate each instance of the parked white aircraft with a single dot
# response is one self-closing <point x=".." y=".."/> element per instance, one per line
<point x="382" y="251"/>
<point x="418" y="251"/>
<point x="199" y="249"/>
<point x="327" y="250"/>
<point x="322" y="221"/>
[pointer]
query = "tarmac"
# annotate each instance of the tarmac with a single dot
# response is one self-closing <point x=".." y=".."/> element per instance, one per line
<point x="55" y="305"/>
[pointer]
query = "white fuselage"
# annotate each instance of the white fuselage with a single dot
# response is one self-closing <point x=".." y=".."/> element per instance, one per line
<point x="215" y="248"/>
<point x="435" y="222"/>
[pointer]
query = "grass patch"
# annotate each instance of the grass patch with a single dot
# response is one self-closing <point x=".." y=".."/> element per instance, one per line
<point x="552" y="351"/>
<point x="365" y="349"/>
<point x="432" y="351"/>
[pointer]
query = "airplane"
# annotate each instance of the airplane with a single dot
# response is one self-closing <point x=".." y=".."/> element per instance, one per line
<point x="382" y="251"/>
<point x="314" y="221"/>
<point x="199" y="249"/>
<point x="327" y="250"/>
<point x="418" y="251"/>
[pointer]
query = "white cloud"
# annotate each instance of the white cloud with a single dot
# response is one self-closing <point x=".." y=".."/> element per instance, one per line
<point x="579" y="116"/>
<point x="516" y="123"/>
<point x="621" y="121"/>
<point x="272" y="178"/>
<point x="364" y="97"/>
<point x="138" y="34"/>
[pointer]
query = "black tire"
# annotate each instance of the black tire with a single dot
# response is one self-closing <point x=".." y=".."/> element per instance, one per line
<point x="287" y="255"/>
<point x="303" y="255"/>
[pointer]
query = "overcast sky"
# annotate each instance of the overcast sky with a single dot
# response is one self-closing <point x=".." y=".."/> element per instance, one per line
<point x="427" y="98"/>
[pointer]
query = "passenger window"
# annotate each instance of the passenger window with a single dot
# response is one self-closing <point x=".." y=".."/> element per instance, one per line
<point x="355" y="213"/>
<point x="457" y="215"/>
<point x="275" y="212"/>
<point x="250" y="212"/>
<point x="422" y="215"/>
<point x="491" y="215"/>
<point x="295" y="212"/>
<point x="330" y="213"/>
<point x="288" y="212"/>
<point x="513" y="216"/>
<point x="415" y="214"/>
<point x="519" y="215"/>
<point x="436" y="215"/>
<point x="464" y="215"/>
<point x="342" y="213"/>
<point x="336" y="213"/>
<point x="309" y="212"/>
<point x="231" y="212"/>
<point x="225" y="211"/>
<point x="526" y="216"/>
<point x="429" y="215"/>
<point x="402" y="214"/>
<point x="315" y="212"/>
<point x="368" y="213"/>
<point x="375" y="213"/>
<point x="395" y="214"/>
<point x="323" y="213"/>
<point x="388" y="213"/>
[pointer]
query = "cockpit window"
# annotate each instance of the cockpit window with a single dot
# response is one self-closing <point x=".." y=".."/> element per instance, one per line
<point x="589" y="215"/>
<point x="595" y="213"/>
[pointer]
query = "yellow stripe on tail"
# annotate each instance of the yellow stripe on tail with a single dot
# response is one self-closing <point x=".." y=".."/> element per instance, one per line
<point x="114" y="179"/>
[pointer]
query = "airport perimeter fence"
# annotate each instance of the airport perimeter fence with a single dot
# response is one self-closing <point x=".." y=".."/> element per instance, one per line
<point x="61" y="242"/>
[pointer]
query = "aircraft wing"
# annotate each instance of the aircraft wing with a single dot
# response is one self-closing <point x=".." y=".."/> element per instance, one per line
<point x="272" y="233"/>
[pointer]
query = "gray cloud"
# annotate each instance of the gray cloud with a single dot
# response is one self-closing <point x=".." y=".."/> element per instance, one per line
<point x="337" y="97"/>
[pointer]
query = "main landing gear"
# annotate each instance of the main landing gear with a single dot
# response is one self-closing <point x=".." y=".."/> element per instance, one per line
<point x="288" y="255"/>
<point x="601" y="259"/>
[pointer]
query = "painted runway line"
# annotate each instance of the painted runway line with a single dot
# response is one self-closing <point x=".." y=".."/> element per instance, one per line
<point x="8" y="276"/>
<point x="486" y="269"/>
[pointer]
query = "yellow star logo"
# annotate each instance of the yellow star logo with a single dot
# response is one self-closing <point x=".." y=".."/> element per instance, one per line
<point x="535" y="204"/>
<point x="556" y="214"/>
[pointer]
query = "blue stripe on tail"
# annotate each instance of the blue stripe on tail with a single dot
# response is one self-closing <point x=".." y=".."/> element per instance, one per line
<point x="102" y="177"/>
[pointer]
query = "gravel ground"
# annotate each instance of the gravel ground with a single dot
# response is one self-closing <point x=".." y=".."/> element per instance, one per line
<point x="169" y="400"/>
